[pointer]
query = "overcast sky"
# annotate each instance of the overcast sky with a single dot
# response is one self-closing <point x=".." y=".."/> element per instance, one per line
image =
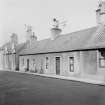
<point x="79" y="14"/>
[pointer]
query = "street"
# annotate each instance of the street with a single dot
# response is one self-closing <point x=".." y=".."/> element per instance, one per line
<point x="28" y="89"/>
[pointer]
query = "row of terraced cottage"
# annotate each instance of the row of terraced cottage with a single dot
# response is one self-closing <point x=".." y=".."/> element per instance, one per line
<point x="78" y="54"/>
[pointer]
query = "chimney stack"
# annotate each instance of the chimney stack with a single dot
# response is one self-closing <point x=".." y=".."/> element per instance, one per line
<point x="14" y="38"/>
<point x="55" y="31"/>
<point x="31" y="39"/>
<point x="100" y="13"/>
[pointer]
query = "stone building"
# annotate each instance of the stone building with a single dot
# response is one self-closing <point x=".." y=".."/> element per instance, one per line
<point x="79" y="54"/>
<point x="9" y="52"/>
<point x="9" y="58"/>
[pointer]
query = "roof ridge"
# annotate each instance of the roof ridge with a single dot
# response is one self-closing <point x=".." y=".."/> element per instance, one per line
<point x="71" y="33"/>
<point x="78" y="41"/>
<point x="80" y="30"/>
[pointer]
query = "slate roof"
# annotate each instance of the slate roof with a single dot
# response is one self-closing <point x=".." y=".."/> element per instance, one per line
<point x="98" y="38"/>
<point x="18" y="47"/>
<point x="0" y="49"/>
<point x="69" y="42"/>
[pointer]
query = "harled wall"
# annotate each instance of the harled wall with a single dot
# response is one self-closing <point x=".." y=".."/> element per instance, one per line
<point x="85" y="64"/>
<point x="40" y="63"/>
<point x="1" y="60"/>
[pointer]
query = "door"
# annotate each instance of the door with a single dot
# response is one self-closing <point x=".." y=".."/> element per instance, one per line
<point x="27" y="64"/>
<point x="57" y="65"/>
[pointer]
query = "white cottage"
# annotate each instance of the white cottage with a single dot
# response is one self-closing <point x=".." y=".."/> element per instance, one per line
<point x="9" y="54"/>
<point x="79" y="54"/>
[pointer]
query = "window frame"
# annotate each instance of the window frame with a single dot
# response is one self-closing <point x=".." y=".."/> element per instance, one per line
<point x="71" y="64"/>
<point x="100" y="60"/>
<point x="46" y="62"/>
<point x="33" y="62"/>
<point x="23" y="61"/>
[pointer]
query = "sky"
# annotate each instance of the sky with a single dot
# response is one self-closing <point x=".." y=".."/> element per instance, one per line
<point x="79" y="14"/>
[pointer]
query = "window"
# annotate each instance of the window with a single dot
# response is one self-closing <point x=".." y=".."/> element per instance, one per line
<point x="101" y="59"/>
<point x="33" y="62"/>
<point x="23" y="61"/>
<point x="71" y="64"/>
<point x="102" y="62"/>
<point x="13" y="63"/>
<point x="46" y="63"/>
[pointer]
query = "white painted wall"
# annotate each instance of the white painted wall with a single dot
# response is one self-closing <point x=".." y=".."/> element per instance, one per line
<point x="79" y="62"/>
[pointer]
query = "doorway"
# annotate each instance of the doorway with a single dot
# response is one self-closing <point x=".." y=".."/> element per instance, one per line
<point x="27" y="64"/>
<point x="57" y="64"/>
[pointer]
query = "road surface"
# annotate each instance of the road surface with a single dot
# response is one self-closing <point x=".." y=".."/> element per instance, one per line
<point x="28" y="89"/>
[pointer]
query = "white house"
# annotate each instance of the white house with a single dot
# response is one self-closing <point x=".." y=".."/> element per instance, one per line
<point x="79" y="54"/>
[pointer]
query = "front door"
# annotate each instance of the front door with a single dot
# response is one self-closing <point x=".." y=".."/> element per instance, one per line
<point x="27" y="64"/>
<point x="57" y="65"/>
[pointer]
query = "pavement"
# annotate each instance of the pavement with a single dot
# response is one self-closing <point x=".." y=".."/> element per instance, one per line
<point x="85" y="80"/>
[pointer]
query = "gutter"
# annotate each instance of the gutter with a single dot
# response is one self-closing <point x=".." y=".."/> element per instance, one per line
<point x="61" y="51"/>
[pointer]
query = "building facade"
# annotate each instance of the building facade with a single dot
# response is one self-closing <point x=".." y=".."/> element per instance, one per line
<point x="79" y="54"/>
<point x="82" y="64"/>
<point x="9" y="54"/>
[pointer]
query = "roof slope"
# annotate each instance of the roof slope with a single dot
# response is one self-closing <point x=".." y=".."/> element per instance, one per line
<point x="98" y="38"/>
<point x="18" y="47"/>
<point x="72" y="41"/>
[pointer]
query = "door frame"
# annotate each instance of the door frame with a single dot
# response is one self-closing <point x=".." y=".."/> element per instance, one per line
<point x="55" y="64"/>
<point x="28" y="64"/>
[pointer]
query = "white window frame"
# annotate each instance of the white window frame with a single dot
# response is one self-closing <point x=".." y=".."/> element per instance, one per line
<point x="60" y="63"/>
<point x="46" y="62"/>
<point x="22" y="61"/>
<point x="100" y="61"/>
<point x="33" y="61"/>
<point x="72" y="64"/>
